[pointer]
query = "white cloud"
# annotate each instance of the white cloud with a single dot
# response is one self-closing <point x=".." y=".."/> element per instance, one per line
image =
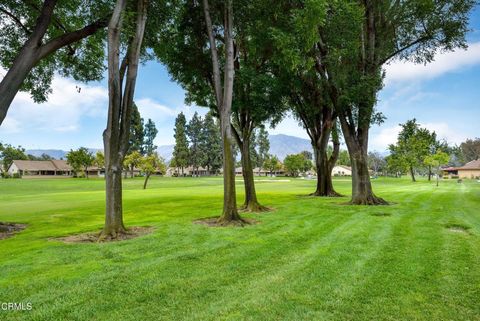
<point x="150" y="109"/>
<point x="445" y="131"/>
<point x="62" y="112"/>
<point x="386" y="136"/>
<point x="399" y="71"/>
<point x="289" y="126"/>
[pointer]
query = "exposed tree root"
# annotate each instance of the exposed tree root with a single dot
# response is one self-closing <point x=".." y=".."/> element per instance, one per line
<point x="368" y="200"/>
<point x="110" y="234"/>
<point x="219" y="222"/>
<point x="254" y="207"/>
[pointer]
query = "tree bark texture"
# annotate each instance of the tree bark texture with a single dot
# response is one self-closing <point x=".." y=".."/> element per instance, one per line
<point x="362" y="192"/>
<point x="243" y="137"/>
<point x="324" y="166"/>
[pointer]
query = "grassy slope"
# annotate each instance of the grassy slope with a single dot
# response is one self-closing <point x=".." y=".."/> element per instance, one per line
<point x="311" y="259"/>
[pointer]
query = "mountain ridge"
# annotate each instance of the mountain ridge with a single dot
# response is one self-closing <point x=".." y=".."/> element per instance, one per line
<point x="281" y="145"/>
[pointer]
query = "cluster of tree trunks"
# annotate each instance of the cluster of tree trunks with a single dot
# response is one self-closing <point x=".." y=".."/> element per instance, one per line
<point x="224" y="98"/>
<point x="116" y="135"/>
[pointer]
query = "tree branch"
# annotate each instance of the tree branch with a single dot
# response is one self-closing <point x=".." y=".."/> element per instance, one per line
<point x="71" y="37"/>
<point x="16" y="20"/>
<point x="400" y="50"/>
<point x="236" y="136"/>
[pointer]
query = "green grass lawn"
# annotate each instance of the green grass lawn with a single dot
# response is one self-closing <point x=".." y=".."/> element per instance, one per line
<point x="310" y="259"/>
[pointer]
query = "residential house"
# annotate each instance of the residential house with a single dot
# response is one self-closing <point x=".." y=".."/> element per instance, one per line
<point x="49" y="168"/>
<point x="341" y="170"/>
<point x="469" y="170"/>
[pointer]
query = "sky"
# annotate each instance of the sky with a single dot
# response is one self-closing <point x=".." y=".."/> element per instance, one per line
<point x="443" y="96"/>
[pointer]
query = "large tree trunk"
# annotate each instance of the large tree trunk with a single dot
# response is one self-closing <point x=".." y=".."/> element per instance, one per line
<point x="357" y="144"/>
<point x="362" y="193"/>
<point x="229" y="212"/>
<point x="114" y="212"/>
<point x="116" y="135"/>
<point x="323" y="164"/>
<point x="324" y="173"/>
<point x="251" y="203"/>
<point x="33" y="51"/>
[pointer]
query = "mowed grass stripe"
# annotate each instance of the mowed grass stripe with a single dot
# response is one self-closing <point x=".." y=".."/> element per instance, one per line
<point x="310" y="259"/>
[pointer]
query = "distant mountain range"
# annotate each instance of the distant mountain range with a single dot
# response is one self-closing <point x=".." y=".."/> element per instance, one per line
<point x="283" y="145"/>
<point x="280" y="145"/>
<point x="55" y="153"/>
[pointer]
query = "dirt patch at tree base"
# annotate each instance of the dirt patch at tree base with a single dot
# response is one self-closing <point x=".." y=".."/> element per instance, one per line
<point x="93" y="237"/>
<point x="9" y="229"/>
<point x="213" y="222"/>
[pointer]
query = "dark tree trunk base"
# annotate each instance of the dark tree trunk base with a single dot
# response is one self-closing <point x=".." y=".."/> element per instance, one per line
<point x="368" y="200"/>
<point x="254" y="207"/>
<point x="326" y="194"/>
<point x="219" y="222"/>
<point x="112" y="233"/>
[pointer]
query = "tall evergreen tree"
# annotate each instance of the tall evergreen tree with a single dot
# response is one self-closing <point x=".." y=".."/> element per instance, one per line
<point x="210" y="144"/>
<point x="194" y="133"/>
<point x="150" y="132"/>
<point x="263" y="145"/>
<point x="180" y="151"/>
<point x="136" y="141"/>
<point x="470" y="149"/>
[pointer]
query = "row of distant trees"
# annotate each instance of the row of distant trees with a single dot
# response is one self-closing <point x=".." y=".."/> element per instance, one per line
<point x="419" y="151"/>
<point x="198" y="144"/>
<point x="411" y="153"/>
